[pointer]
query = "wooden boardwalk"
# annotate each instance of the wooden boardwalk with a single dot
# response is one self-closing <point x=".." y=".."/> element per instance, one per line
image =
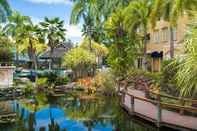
<point x="135" y="102"/>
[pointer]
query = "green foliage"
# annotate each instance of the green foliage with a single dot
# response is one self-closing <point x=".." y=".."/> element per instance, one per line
<point x="52" y="32"/>
<point x="29" y="88"/>
<point x="187" y="70"/>
<point x="5" y="10"/>
<point x="61" y="81"/>
<point x="99" y="49"/>
<point x="123" y="50"/>
<point x="169" y="69"/>
<point x="52" y="78"/>
<point x="79" y="56"/>
<point x="41" y="82"/>
<point x="6" y="55"/>
<point x="80" y="60"/>
<point x="168" y="82"/>
<point x="105" y="80"/>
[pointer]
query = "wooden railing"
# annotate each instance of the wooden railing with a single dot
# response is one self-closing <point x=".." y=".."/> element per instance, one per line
<point x="160" y="105"/>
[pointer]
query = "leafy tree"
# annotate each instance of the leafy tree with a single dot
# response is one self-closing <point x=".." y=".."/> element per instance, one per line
<point x="15" y="28"/>
<point x="5" y="10"/>
<point x="94" y="13"/>
<point x="124" y="48"/>
<point x="137" y="20"/>
<point x="6" y="53"/>
<point x="80" y="61"/>
<point x="54" y="32"/>
<point x="100" y="50"/>
<point x="31" y="43"/>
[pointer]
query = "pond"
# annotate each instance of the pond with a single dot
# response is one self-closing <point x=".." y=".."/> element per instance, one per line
<point x="69" y="113"/>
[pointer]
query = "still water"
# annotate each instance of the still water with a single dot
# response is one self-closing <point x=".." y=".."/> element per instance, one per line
<point x="70" y="113"/>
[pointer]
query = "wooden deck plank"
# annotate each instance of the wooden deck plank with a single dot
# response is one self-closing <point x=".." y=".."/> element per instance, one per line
<point x="150" y="110"/>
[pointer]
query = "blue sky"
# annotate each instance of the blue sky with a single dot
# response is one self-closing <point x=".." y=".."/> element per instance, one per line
<point x="38" y="9"/>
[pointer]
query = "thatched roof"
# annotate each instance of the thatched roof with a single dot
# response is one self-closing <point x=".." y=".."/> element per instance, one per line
<point x="58" y="52"/>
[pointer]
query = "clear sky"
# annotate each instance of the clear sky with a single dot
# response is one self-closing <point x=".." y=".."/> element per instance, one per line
<point x="38" y="9"/>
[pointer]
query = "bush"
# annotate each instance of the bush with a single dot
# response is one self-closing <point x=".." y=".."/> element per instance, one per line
<point x="29" y="88"/>
<point x="6" y="55"/>
<point x="41" y="82"/>
<point x="168" y="82"/>
<point x="105" y="80"/>
<point x="54" y="79"/>
<point x="61" y="81"/>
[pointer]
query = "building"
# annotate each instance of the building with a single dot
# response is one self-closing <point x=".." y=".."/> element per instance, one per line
<point x="58" y="53"/>
<point x="158" y="46"/>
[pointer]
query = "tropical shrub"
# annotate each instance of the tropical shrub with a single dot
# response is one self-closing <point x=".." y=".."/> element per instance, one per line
<point x="61" y="81"/>
<point x="6" y="55"/>
<point x="99" y="49"/>
<point x="81" y="61"/>
<point x="168" y="82"/>
<point x="123" y="49"/>
<point x="29" y="88"/>
<point x="105" y="81"/>
<point x="87" y="84"/>
<point x="186" y="75"/>
<point x="41" y="82"/>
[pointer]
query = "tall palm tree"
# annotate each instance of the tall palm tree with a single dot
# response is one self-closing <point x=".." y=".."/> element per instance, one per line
<point x="15" y="28"/>
<point x="95" y="12"/>
<point x="137" y="20"/>
<point x="5" y="10"/>
<point x="171" y="10"/>
<point x="54" y="32"/>
<point x="31" y="44"/>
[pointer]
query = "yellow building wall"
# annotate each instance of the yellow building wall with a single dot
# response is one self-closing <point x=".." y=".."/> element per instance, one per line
<point x="165" y="45"/>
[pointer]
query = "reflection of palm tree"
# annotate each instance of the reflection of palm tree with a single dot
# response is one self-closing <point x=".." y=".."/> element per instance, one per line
<point x="89" y="124"/>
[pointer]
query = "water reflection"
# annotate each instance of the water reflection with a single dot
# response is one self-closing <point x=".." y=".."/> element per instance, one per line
<point x="72" y="114"/>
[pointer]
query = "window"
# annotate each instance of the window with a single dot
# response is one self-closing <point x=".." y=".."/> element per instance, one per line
<point x="174" y="32"/>
<point x="139" y="63"/>
<point x="156" y="37"/>
<point x="165" y="34"/>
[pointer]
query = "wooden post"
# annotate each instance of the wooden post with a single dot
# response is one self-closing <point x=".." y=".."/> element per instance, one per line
<point x="122" y="97"/>
<point x="132" y="105"/>
<point x="181" y="112"/>
<point x="159" y="111"/>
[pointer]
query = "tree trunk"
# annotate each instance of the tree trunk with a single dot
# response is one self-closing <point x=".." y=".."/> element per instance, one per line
<point x="90" y="44"/>
<point x="171" y="43"/>
<point x="17" y="56"/>
<point x="51" y="59"/>
<point x="145" y="48"/>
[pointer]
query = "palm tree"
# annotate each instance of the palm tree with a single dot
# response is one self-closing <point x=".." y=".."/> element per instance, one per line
<point x="137" y="20"/>
<point x="5" y="10"/>
<point x="15" y="28"/>
<point x="54" y="32"/>
<point x="93" y="17"/>
<point x="187" y="71"/>
<point x="171" y="10"/>
<point x="31" y="43"/>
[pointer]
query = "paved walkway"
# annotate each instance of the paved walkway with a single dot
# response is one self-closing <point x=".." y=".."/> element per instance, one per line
<point x="149" y="110"/>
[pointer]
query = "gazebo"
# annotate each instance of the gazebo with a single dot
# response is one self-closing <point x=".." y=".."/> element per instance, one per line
<point x="57" y="55"/>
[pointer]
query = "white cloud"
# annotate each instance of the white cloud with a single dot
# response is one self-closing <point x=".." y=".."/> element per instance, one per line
<point x="74" y="33"/>
<point x="51" y="1"/>
<point x="35" y="20"/>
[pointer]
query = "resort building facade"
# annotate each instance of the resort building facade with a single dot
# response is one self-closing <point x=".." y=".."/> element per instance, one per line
<point x="158" y="46"/>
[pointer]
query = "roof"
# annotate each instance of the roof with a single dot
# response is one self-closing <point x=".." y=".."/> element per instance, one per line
<point x="58" y="52"/>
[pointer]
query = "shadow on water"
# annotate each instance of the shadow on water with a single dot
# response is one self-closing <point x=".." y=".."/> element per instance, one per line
<point x="73" y="114"/>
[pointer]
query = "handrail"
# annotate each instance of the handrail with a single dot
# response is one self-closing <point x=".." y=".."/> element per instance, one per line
<point x="172" y="97"/>
<point x="164" y="105"/>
